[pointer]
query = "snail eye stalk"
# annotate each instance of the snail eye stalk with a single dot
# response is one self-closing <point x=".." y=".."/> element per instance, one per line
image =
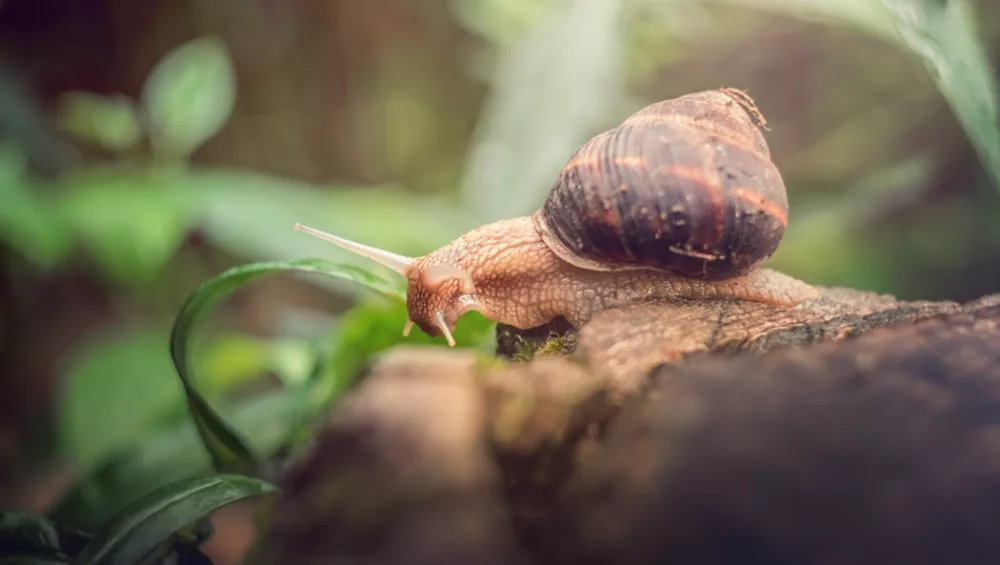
<point x="398" y="263"/>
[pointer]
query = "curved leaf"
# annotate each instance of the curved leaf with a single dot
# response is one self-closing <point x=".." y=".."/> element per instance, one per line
<point x="228" y="451"/>
<point x="37" y="537"/>
<point x="146" y="523"/>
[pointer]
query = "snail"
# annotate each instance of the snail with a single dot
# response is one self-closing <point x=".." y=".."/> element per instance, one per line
<point x="681" y="200"/>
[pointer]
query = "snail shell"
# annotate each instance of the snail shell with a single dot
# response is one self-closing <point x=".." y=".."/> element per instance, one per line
<point x="685" y="186"/>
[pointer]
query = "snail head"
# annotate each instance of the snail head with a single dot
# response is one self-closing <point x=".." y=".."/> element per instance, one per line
<point x="437" y="294"/>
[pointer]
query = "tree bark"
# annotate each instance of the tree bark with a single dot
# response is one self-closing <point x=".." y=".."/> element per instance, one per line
<point x="854" y="429"/>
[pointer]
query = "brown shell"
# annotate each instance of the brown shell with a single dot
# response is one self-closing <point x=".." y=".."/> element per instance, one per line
<point x="685" y="185"/>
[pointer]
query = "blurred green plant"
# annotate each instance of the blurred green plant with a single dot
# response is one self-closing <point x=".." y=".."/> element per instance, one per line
<point x="117" y="389"/>
<point x="109" y="121"/>
<point x="28" y="223"/>
<point x="131" y="216"/>
<point x="188" y="97"/>
<point x="944" y="35"/>
<point x="168" y="511"/>
<point x="172" y="452"/>
<point x="165" y="525"/>
<point x="23" y="535"/>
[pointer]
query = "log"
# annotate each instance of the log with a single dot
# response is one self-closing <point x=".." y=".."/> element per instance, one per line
<point x="852" y="429"/>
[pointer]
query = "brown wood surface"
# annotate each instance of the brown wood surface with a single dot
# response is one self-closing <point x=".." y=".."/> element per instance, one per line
<point x="857" y="429"/>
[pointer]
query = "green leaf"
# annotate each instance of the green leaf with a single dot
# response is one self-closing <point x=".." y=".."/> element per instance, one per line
<point x="188" y="97"/>
<point x="223" y="444"/>
<point x="376" y="325"/>
<point x="944" y="34"/>
<point x="111" y="122"/>
<point x="28" y="535"/>
<point x="117" y="390"/>
<point x="551" y="90"/>
<point x="143" y="525"/>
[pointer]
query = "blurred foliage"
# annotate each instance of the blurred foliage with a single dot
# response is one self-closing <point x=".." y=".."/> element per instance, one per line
<point x="116" y="390"/>
<point x="24" y="534"/>
<point x="188" y="98"/>
<point x="164" y="515"/>
<point x="197" y="157"/>
<point x="944" y="35"/>
<point x="164" y="526"/>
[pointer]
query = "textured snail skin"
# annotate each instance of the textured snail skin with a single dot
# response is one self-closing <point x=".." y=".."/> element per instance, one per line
<point x="519" y="281"/>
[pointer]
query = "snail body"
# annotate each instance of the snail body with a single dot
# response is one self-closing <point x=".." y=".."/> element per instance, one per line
<point x="679" y="201"/>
